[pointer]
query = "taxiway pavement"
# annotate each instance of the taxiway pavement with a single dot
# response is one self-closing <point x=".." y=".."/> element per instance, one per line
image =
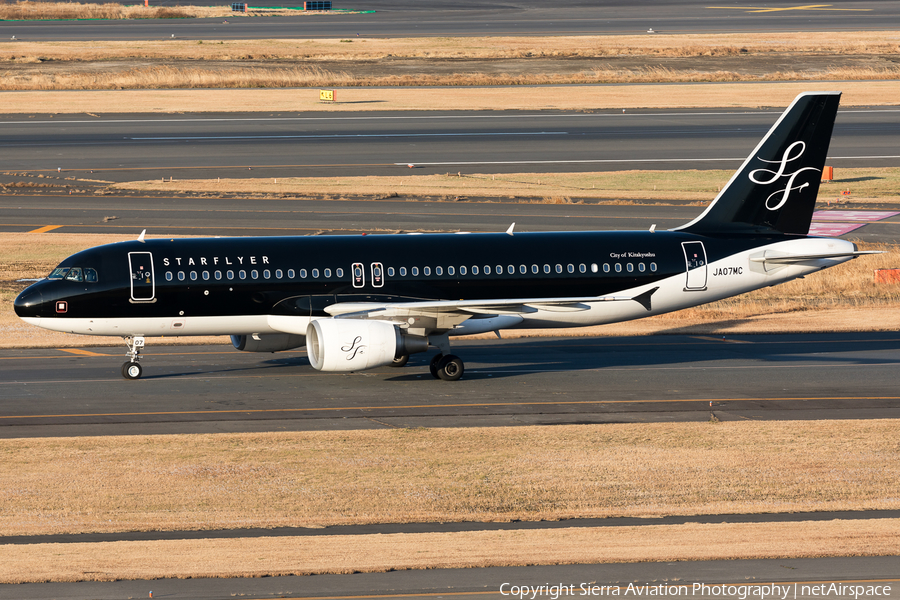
<point x="537" y="381"/>
<point x="408" y="18"/>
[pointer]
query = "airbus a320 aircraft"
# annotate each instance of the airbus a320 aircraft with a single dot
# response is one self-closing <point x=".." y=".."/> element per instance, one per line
<point x="359" y="302"/>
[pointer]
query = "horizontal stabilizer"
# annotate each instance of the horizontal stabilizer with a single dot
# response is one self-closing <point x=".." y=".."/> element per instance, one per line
<point x="797" y="258"/>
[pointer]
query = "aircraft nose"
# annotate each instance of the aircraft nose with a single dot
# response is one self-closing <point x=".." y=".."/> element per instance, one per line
<point x="29" y="302"/>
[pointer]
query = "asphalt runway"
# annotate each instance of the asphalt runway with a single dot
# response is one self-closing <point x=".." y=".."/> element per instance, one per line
<point x="542" y="381"/>
<point x="407" y="18"/>
<point x="139" y="146"/>
<point x="181" y="216"/>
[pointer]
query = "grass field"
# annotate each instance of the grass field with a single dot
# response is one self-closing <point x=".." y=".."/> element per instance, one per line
<point x="313" y="479"/>
<point x="880" y="185"/>
<point x="578" y="98"/>
<point x="874" y="43"/>
<point x="23" y="10"/>
<point x="269" y="557"/>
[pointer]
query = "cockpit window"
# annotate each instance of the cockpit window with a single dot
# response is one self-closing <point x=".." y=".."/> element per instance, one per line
<point x="79" y="274"/>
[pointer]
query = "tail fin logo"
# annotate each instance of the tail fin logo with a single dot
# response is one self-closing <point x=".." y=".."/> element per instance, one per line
<point x="782" y="195"/>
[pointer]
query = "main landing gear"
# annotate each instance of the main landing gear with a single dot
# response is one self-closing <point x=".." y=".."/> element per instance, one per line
<point x="445" y="365"/>
<point x="132" y="369"/>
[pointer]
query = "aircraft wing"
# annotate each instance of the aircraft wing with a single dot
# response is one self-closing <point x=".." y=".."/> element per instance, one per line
<point x="387" y="311"/>
<point x="448" y="314"/>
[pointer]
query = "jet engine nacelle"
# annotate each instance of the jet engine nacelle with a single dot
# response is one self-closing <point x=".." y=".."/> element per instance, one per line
<point x="355" y="345"/>
<point x="267" y="342"/>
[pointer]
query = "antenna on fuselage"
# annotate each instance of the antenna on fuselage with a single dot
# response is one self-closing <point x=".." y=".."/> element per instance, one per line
<point x="141" y="237"/>
<point x="510" y="230"/>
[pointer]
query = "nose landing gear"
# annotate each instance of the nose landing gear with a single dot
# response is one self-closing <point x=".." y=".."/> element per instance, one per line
<point x="132" y="369"/>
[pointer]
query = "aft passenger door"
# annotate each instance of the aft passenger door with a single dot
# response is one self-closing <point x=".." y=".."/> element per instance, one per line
<point x="143" y="283"/>
<point x="695" y="259"/>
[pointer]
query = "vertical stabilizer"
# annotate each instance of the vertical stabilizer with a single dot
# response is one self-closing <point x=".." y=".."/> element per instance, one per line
<point x="776" y="187"/>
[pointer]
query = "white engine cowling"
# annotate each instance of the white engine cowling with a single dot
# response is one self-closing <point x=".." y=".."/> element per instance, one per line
<point x="267" y="342"/>
<point x="355" y="345"/>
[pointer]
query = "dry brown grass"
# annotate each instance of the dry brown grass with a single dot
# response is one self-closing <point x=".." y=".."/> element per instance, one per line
<point x="680" y="46"/>
<point x="866" y="184"/>
<point x="586" y="97"/>
<point x="24" y="10"/>
<point x="261" y="557"/>
<point x="205" y="482"/>
<point x="167" y="77"/>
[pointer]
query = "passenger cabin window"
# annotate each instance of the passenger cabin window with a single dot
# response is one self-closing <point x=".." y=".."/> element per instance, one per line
<point x="391" y="271"/>
<point x="415" y="271"/>
<point x="205" y="275"/>
<point x="426" y="271"/>
<point x="438" y="270"/>
<point x="218" y="275"/>
<point x="546" y="268"/>
<point x="559" y="268"/>
<point x="402" y="271"/>
<point x="181" y="275"/>
<point x="462" y="271"/>
<point x="474" y="270"/>
<point x="328" y="273"/>
<point x="290" y="273"/>
<point x="169" y="276"/>
<point x="278" y="274"/>
<point x="193" y="275"/>
<point x="606" y="267"/>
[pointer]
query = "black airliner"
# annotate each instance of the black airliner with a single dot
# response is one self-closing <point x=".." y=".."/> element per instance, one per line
<point x="359" y="302"/>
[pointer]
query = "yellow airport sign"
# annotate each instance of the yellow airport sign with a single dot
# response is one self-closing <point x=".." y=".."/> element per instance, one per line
<point x="326" y="95"/>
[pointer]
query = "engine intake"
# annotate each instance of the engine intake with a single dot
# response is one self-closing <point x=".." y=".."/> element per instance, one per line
<point x="267" y="342"/>
<point x="354" y="345"/>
